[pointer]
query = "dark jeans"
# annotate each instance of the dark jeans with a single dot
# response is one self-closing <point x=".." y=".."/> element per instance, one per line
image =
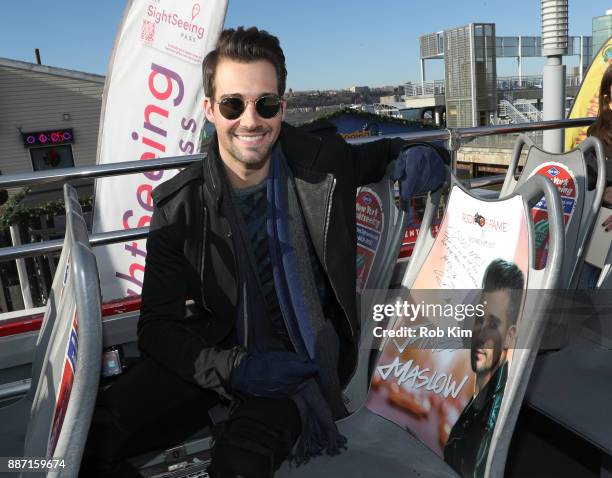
<point x="151" y="408"/>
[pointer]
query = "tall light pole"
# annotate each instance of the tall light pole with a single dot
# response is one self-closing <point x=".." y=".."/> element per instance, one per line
<point x="554" y="46"/>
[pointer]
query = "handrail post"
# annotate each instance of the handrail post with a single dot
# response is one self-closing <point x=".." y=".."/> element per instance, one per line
<point x="22" y="271"/>
<point x="453" y="144"/>
<point x="555" y="42"/>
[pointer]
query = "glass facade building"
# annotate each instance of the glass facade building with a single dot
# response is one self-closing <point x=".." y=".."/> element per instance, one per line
<point x="470" y="87"/>
<point x="470" y="75"/>
<point x="602" y="30"/>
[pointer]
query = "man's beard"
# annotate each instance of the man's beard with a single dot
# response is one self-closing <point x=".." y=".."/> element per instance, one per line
<point x="485" y="367"/>
<point x="253" y="157"/>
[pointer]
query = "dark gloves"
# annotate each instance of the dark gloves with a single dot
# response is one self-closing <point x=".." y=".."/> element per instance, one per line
<point x="418" y="169"/>
<point x="271" y="374"/>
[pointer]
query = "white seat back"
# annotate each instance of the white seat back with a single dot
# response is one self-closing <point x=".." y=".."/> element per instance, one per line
<point x="580" y="206"/>
<point x="381" y="227"/>
<point x="65" y="393"/>
<point x="425" y="385"/>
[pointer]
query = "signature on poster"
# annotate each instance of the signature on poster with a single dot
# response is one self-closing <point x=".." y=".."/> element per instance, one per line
<point x="415" y="377"/>
<point x="460" y="260"/>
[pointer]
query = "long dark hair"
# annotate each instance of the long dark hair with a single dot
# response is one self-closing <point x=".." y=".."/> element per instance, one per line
<point x="602" y="128"/>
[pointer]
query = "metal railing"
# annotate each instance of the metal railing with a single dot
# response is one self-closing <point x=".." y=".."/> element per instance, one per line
<point x="428" y="88"/>
<point x="530" y="81"/>
<point x="529" y="110"/>
<point x="507" y="109"/>
<point x="454" y="137"/>
<point x="37" y="248"/>
<point x="517" y="112"/>
<point x="501" y="142"/>
<point x="503" y="83"/>
<point x="97" y="171"/>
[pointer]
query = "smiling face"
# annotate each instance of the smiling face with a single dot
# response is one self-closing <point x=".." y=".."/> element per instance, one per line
<point x="493" y="333"/>
<point x="245" y="143"/>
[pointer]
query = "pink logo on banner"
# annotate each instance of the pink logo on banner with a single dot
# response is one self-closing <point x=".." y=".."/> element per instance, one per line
<point x="195" y="11"/>
<point x="370" y="221"/>
<point x="147" y="32"/>
<point x="565" y="182"/>
<point x="152" y="108"/>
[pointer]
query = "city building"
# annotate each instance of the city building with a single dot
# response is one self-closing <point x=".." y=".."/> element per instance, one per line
<point x="470" y="78"/>
<point x="472" y="94"/>
<point x="602" y="30"/>
<point x="50" y="120"/>
<point x="50" y="117"/>
<point x="359" y="89"/>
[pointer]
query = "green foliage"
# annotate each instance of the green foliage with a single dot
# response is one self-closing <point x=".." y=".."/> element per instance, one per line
<point x="11" y="207"/>
<point x="13" y="211"/>
<point x="371" y="116"/>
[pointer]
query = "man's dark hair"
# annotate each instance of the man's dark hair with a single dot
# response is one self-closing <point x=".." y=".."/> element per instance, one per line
<point x="246" y="46"/>
<point x="505" y="275"/>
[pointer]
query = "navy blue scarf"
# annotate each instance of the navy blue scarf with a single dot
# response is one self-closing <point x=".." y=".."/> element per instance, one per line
<point x="312" y="335"/>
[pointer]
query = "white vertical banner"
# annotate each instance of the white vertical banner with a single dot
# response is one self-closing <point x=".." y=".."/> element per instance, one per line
<point x="152" y="107"/>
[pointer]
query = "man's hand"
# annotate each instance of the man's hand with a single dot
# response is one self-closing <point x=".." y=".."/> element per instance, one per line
<point x="271" y="374"/>
<point x="607" y="224"/>
<point x="418" y="169"/>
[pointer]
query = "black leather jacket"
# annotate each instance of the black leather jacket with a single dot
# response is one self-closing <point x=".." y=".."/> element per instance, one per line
<point x="191" y="253"/>
<point x="467" y="448"/>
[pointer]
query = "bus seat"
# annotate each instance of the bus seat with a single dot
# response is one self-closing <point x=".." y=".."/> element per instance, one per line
<point x="386" y="439"/>
<point x="580" y="205"/>
<point x="381" y="227"/>
<point x="52" y="420"/>
<point x="17" y="413"/>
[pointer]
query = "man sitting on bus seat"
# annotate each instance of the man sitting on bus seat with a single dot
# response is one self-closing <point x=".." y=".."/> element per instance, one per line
<point x="261" y="236"/>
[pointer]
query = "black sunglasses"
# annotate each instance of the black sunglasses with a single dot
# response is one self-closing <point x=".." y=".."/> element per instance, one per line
<point x="232" y="107"/>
